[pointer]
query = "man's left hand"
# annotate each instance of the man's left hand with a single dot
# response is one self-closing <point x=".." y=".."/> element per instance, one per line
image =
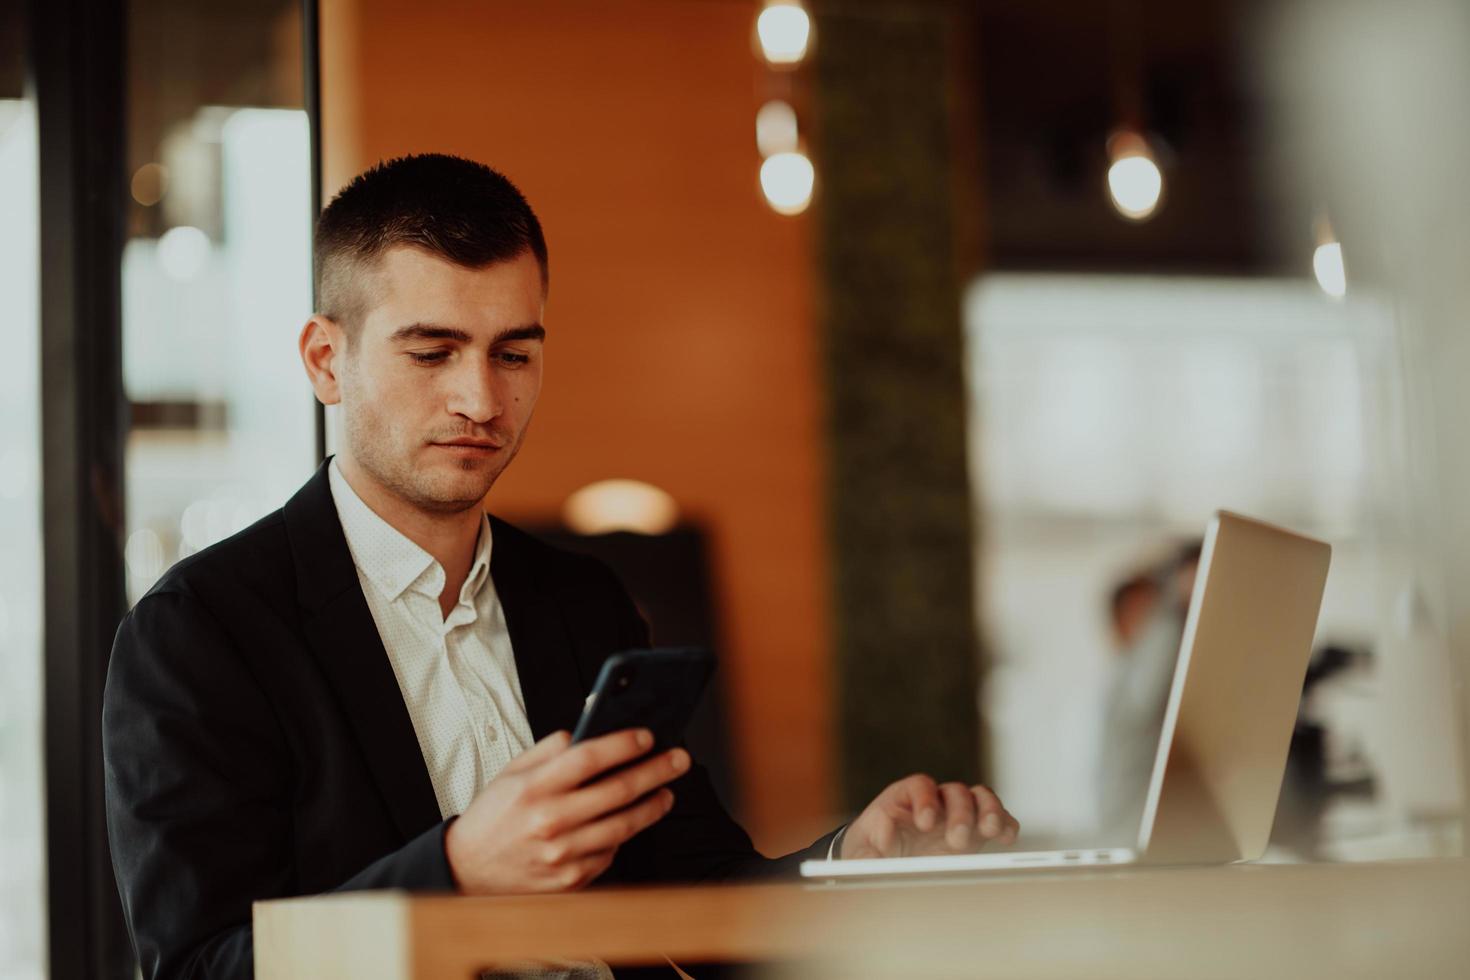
<point x="918" y="816"/>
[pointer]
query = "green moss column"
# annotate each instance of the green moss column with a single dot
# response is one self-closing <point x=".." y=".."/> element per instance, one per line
<point x="899" y="494"/>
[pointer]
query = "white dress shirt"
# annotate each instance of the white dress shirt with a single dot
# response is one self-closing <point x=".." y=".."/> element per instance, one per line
<point x="457" y="674"/>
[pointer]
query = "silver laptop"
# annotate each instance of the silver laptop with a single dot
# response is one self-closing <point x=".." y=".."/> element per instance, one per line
<point x="1222" y="751"/>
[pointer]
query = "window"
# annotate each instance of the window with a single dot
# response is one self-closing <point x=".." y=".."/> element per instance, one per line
<point x="22" y="841"/>
<point x="216" y="276"/>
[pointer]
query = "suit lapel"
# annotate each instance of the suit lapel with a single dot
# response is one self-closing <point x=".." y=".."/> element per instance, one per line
<point x="551" y="682"/>
<point x="344" y="639"/>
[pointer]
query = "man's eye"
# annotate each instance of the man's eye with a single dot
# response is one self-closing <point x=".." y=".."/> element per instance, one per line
<point x="512" y="359"/>
<point x="432" y="357"/>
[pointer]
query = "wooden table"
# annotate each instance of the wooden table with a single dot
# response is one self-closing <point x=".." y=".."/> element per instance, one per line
<point x="1398" y="920"/>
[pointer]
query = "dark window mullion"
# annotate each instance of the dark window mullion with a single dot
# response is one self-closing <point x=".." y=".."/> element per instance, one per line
<point x="77" y="81"/>
<point x="311" y="90"/>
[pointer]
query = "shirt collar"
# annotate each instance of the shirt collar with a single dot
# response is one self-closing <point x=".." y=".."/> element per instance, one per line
<point x="389" y="559"/>
<point x="480" y="567"/>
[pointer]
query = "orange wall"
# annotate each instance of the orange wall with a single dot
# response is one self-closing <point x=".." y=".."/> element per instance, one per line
<point x="682" y="344"/>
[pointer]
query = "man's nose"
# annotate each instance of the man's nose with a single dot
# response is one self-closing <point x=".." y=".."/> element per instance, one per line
<point x="474" y="393"/>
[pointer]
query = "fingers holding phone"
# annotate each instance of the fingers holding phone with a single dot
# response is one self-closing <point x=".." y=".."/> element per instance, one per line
<point x="556" y="815"/>
<point x="548" y="823"/>
<point x="612" y="786"/>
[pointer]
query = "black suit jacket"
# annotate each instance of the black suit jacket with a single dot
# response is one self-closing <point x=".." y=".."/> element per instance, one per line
<point x="256" y="743"/>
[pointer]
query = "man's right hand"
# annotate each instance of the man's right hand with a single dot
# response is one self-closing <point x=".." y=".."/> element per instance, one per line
<point x="544" y="825"/>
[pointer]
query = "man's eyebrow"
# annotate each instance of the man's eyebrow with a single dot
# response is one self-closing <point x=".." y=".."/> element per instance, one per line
<point x="428" y="331"/>
<point x="433" y="331"/>
<point x="531" y="331"/>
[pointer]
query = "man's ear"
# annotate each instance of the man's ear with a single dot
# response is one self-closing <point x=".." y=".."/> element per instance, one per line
<point x="323" y="345"/>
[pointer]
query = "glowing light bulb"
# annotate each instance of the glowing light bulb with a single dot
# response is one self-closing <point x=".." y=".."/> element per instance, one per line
<point x="1328" y="266"/>
<point x="787" y="180"/>
<point x="775" y="128"/>
<point x="620" y="505"/>
<point x="1136" y="184"/>
<point x="784" y="30"/>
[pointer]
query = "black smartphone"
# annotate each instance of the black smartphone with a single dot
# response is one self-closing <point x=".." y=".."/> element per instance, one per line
<point x="653" y="689"/>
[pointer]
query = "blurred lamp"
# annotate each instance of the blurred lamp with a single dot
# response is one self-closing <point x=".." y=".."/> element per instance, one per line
<point x="620" y="505"/>
<point x="182" y="251"/>
<point x="784" y="30"/>
<point x="1331" y="274"/>
<point x="775" y="128"/>
<point x="1135" y="182"/>
<point x="787" y="180"/>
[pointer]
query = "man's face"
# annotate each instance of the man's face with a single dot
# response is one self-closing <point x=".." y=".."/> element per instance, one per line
<point x="439" y="383"/>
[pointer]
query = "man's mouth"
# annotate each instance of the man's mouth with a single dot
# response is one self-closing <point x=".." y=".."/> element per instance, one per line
<point x="486" y="445"/>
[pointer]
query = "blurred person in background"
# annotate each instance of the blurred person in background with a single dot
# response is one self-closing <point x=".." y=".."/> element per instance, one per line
<point x="1148" y="610"/>
<point x="1147" y="613"/>
<point x="373" y="686"/>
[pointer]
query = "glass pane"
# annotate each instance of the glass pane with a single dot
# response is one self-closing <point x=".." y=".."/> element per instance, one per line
<point x="216" y="276"/>
<point x="22" y="843"/>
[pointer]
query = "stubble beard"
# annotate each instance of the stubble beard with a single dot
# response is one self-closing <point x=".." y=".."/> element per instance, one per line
<point x="367" y="439"/>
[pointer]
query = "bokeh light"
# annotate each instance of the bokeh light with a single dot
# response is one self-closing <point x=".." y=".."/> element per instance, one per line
<point x="149" y="184"/>
<point x="1330" y="271"/>
<point x="784" y="30"/>
<point x="775" y="128"/>
<point x="620" y="505"/>
<point x="1135" y="184"/>
<point x="787" y="180"/>
<point x="183" y="252"/>
<point x="145" y="558"/>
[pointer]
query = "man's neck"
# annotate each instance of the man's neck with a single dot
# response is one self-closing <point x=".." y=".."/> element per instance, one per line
<point x="450" y="539"/>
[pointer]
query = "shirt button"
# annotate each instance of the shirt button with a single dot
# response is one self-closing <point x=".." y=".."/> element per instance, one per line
<point x="492" y="735"/>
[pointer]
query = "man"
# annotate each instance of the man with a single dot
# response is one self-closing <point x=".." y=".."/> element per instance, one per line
<point x="372" y="687"/>
<point x="1148" y="612"/>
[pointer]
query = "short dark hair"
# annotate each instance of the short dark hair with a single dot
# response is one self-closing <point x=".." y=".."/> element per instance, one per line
<point x="1138" y="584"/>
<point x="448" y="206"/>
